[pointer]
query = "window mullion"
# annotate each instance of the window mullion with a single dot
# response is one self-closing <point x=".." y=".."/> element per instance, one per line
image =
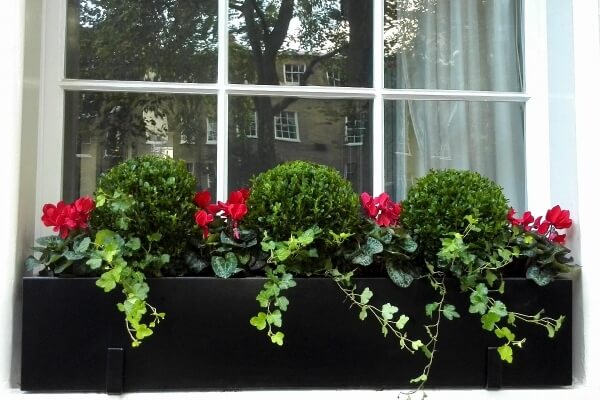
<point x="377" y="125"/>
<point x="222" y="102"/>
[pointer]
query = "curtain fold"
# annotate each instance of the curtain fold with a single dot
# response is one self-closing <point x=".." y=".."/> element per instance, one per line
<point x="460" y="45"/>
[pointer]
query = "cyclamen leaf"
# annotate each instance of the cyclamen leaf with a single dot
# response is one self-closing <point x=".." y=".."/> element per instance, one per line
<point x="83" y="245"/>
<point x="94" y="263"/>
<point x="31" y="263"/>
<point x="399" y="276"/>
<point x="540" y="276"/>
<point x="363" y="259"/>
<point x="225" y="267"/>
<point x="373" y="246"/>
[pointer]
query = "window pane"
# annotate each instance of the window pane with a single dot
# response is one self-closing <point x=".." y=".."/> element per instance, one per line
<point x="103" y="129"/>
<point x="265" y="131"/>
<point x="486" y="137"/>
<point x="463" y="45"/>
<point x="156" y="40"/>
<point x="326" y="43"/>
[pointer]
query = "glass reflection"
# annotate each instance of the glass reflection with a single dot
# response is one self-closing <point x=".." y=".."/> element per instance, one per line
<point x="155" y="40"/>
<point x="487" y="137"/>
<point x="105" y="129"/>
<point x="265" y="131"/>
<point x="462" y="45"/>
<point x="327" y="43"/>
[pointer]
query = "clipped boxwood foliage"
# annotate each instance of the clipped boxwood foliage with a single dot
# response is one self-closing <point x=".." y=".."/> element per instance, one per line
<point x="146" y="195"/>
<point x="297" y="195"/>
<point x="437" y="204"/>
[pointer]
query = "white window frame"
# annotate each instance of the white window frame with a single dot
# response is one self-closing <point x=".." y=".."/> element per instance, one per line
<point x="211" y="126"/>
<point x="296" y="70"/>
<point x="293" y="118"/>
<point x="535" y="97"/>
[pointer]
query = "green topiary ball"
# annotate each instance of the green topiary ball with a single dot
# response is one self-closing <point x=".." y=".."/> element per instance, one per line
<point x="437" y="204"/>
<point x="148" y="195"/>
<point x="297" y="195"/>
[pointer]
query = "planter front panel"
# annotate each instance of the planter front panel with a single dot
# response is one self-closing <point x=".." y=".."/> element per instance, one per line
<point x="207" y="343"/>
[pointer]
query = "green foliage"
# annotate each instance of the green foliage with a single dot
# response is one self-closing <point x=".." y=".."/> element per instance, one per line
<point x="295" y="196"/>
<point x="148" y="195"/>
<point x="437" y="204"/>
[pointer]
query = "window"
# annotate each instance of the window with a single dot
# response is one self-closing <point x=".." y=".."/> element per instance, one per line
<point x="286" y="126"/>
<point x="356" y="130"/>
<point x="334" y="77"/>
<point x="211" y="131"/>
<point x="430" y="103"/>
<point x="292" y="73"/>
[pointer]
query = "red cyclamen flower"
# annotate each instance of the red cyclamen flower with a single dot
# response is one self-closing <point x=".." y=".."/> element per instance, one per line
<point x="382" y="209"/>
<point x="203" y="219"/>
<point x="202" y="199"/>
<point x="68" y="217"/>
<point x="559" y="218"/>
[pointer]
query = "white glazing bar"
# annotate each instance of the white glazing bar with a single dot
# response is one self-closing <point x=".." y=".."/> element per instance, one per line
<point x="324" y="92"/>
<point x="537" y="140"/>
<point x="454" y="95"/>
<point x="378" y="132"/>
<point x="139" y="86"/>
<point x="51" y="122"/>
<point x="222" y="102"/>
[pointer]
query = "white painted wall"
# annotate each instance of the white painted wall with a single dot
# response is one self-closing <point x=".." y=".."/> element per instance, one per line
<point x="574" y="150"/>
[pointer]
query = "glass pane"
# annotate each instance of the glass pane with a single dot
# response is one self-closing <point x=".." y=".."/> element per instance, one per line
<point x="265" y="131"/>
<point x="275" y="42"/>
<point x="155" y="40"/>
<point x="103" y="129"/>
<point x="462" y="45"/>
<point x="487" y="137"/>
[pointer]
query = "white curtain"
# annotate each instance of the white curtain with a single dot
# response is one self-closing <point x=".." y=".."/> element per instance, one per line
<point x="459" y="45"/>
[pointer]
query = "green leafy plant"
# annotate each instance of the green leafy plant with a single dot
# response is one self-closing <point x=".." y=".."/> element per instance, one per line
<point x="148" y="195"/>
<point x="303" y="219"/>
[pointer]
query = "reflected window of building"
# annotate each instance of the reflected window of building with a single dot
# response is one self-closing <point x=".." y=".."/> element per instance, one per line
<point x="211" y="131"/>
<point x="292" y="73"/>
<point x="356" y="128"/>
<point x="286" y="126"/>
<point x="334" y="77"/>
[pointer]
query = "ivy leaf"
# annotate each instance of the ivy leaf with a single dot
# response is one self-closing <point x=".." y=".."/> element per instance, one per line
<point x="489" y="320"/>
<point x="142" y="331"/>
<point x="505" y="333"/>
<point x="259" y="321"/>
<point x="274" y="318"/>
<point x="282" y="302"/>
<point x="402" y="320"/>
<point x="449" y="312"/>
<point x="550" y="330"/>
<point x="363" y="314"/>
<point x="277" y="338"/>
<point x="366" y="295"/>
<point x="499" y="308"/>
<point x="421" y="378"/>
<point x="430" y="308"/>
<point x="416" y="345"/>
<point x="388" y="311"/>
<point x="506" y="353"/>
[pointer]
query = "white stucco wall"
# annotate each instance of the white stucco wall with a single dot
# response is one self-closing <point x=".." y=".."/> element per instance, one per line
<point x="574" y="182"/>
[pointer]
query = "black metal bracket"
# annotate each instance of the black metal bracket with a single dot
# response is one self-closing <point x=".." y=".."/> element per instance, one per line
<point x="494" y="369"/>
<point x="114" y="370"/>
